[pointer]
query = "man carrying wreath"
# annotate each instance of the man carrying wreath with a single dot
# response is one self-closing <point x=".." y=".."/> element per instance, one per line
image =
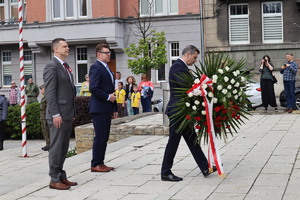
<point x="189" y="57"/>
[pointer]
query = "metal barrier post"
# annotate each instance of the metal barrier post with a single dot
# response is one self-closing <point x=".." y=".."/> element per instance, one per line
<point x="166" y="96"/>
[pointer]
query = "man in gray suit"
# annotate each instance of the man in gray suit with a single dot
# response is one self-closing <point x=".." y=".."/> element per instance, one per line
<point x="60" y="113"/>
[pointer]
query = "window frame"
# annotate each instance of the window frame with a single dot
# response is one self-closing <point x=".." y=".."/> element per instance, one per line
<point x="63" y="10"/>
<point x="5" y="63"/>
<point x="238" y="17"/>
<point x="27" y="65"/>
<point x="271" y="15"/>
<point x="166" y="8"/>
<point x="80" y="62"/>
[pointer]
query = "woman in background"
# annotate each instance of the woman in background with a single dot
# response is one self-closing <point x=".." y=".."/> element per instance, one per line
<point x="129" y="90"/>
<point x="146" y="88"/>
<point x="85" y="87"/>
<point x="266" y="83"/>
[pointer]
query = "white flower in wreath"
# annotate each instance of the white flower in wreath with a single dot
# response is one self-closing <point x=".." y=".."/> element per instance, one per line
<point x="215" y="100"/>
<point x="240" y="93"/>
<point x="236" y="97"/>
<point x="190" y="94"/>
<point x="229" y="87"/>
<point x="224" y="99"/>
<point x="214" y="78"/>
<point x="242" y="78"/>
<point x="228" y="95"/>
<point x="211" y="95"/>
<point x="203" y="104"/>
<point x="227" y="68"/>
<point x="237" y="84"/>
<point x="204" y="86"/>
<point x="234" y="91"/>
<point x="232" y="81"/>
<point x="220" y="87"/>
<point x="197" y="81"/>
<point x="197" y="102"/>
<point x="224" y="91"/>
<point x="187" y="104"/>
<point x="203" y="112"/>
<point x="234" y="74"/>
<point x="194" y="108"/>
<point x="226" y="79"/>
<point x="220" y="71"/>
<point x="196" y="92"/>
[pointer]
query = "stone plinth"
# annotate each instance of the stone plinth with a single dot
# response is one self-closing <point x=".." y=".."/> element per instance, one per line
<point x="121" y="128"/>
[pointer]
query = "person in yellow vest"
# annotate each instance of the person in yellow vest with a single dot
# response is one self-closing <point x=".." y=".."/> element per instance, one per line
<point x="135" y="100"/>
<point x="85" y="91"/>
<point x="120" y="98"/>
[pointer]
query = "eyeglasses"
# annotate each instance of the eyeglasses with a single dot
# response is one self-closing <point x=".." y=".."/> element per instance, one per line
<point x="105" y="52"/>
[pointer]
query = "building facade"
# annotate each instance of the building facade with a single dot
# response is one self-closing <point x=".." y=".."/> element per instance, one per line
<point x="84" y="24"/>
<point x="252" y="29"/>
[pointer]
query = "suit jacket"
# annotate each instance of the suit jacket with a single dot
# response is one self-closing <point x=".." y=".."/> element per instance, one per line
<point x="3" y="107"/>
<point x="59" y="91"/>
<point x="101" y="85"/>
<point x="177" y="68"/>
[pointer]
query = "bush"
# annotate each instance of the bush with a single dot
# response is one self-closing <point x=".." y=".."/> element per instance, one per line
<point x="12" y="126"/>
<point x="33" y="124"/>
<point x="82" y="115"/>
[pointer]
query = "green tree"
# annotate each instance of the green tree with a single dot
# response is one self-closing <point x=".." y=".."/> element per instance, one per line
<point x="149" y="53"/>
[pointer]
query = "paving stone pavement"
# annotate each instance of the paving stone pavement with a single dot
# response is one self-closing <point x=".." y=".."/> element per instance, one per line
<point x="260" y="162"/>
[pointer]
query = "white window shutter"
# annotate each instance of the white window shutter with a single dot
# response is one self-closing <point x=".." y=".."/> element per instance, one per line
<point x="239" y="30"/>
<point x="272" y="27"/>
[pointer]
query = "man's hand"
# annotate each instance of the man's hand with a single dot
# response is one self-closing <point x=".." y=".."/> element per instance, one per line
<point x="57" y="121"/>
<point x="115" y="115"/>
<point x="112" y="97"/>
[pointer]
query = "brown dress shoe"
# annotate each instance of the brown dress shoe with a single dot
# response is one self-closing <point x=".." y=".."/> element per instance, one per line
<point x="69" y="183"/>
<point x="287" y="109"/>
<point x="59" y="186"/>
<point x="290" y="110"/>
<point x="101" y="168"/>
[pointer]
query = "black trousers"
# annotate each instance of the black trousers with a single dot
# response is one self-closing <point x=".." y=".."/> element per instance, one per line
<point x="172" y="146"/>
<point x="101" y="122"/>
<point x="267" y="93"/>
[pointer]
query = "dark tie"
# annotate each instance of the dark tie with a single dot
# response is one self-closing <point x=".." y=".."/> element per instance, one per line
<point x="68" y="70"/>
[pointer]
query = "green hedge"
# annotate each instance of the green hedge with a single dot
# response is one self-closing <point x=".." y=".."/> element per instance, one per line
<point x="33" y="122"/>
<point x="12" y="125"/>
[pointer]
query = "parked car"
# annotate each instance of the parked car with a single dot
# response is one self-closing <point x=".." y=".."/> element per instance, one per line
<point x="254" y="92"/>
<point x="282" y="98"/>
<point x="157" y="105"/>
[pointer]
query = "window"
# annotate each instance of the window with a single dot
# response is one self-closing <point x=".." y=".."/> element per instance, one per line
<point x="9" y="11"/>
<point x="2" y="8"/>
<point x="14" y="10"/>
<point x="174" y="52"/>
<point x="81" y="64"/>
<point x="272" y="22"/>
<point x="158" y="7"/>
<point x="69" y="9"/>
<point x="239" y="24"/>
<point x="6" y="67"/>
<point x="27" y="63"/>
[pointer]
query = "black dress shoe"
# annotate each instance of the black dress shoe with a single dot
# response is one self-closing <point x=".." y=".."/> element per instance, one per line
<point x="170" y="177"/>
<point x="206" y="173"/>
<point x="45" y="148"/>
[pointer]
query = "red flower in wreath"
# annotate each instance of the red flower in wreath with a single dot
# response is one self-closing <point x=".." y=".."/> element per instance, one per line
<point x="188" y="117"/>
<point x="217" y="109"/>
<point x="197" y="127"/>
<point x="197" y="118"/>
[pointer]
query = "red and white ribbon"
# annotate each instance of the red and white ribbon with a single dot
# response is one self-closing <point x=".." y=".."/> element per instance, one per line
<point x="21" y="48"/>
<point x="199" y="89"/>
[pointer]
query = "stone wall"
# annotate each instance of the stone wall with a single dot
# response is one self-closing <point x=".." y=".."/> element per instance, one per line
<point x="84" y="134"/>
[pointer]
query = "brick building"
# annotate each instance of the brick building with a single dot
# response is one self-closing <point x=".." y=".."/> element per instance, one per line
<point x="84" y="24"/>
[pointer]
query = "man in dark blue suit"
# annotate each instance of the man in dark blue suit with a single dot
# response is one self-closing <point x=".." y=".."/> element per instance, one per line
<point x="102" y="105"/>
<point x="189" y="57"/>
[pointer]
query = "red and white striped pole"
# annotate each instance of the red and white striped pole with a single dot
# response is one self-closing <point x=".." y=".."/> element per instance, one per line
<point x="21" y="48"/>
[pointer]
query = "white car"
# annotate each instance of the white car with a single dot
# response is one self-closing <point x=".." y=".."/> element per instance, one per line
<point x="254" y="91"/>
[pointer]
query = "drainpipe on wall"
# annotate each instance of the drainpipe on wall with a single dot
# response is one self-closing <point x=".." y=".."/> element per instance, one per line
<point x="201" y="31"/>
